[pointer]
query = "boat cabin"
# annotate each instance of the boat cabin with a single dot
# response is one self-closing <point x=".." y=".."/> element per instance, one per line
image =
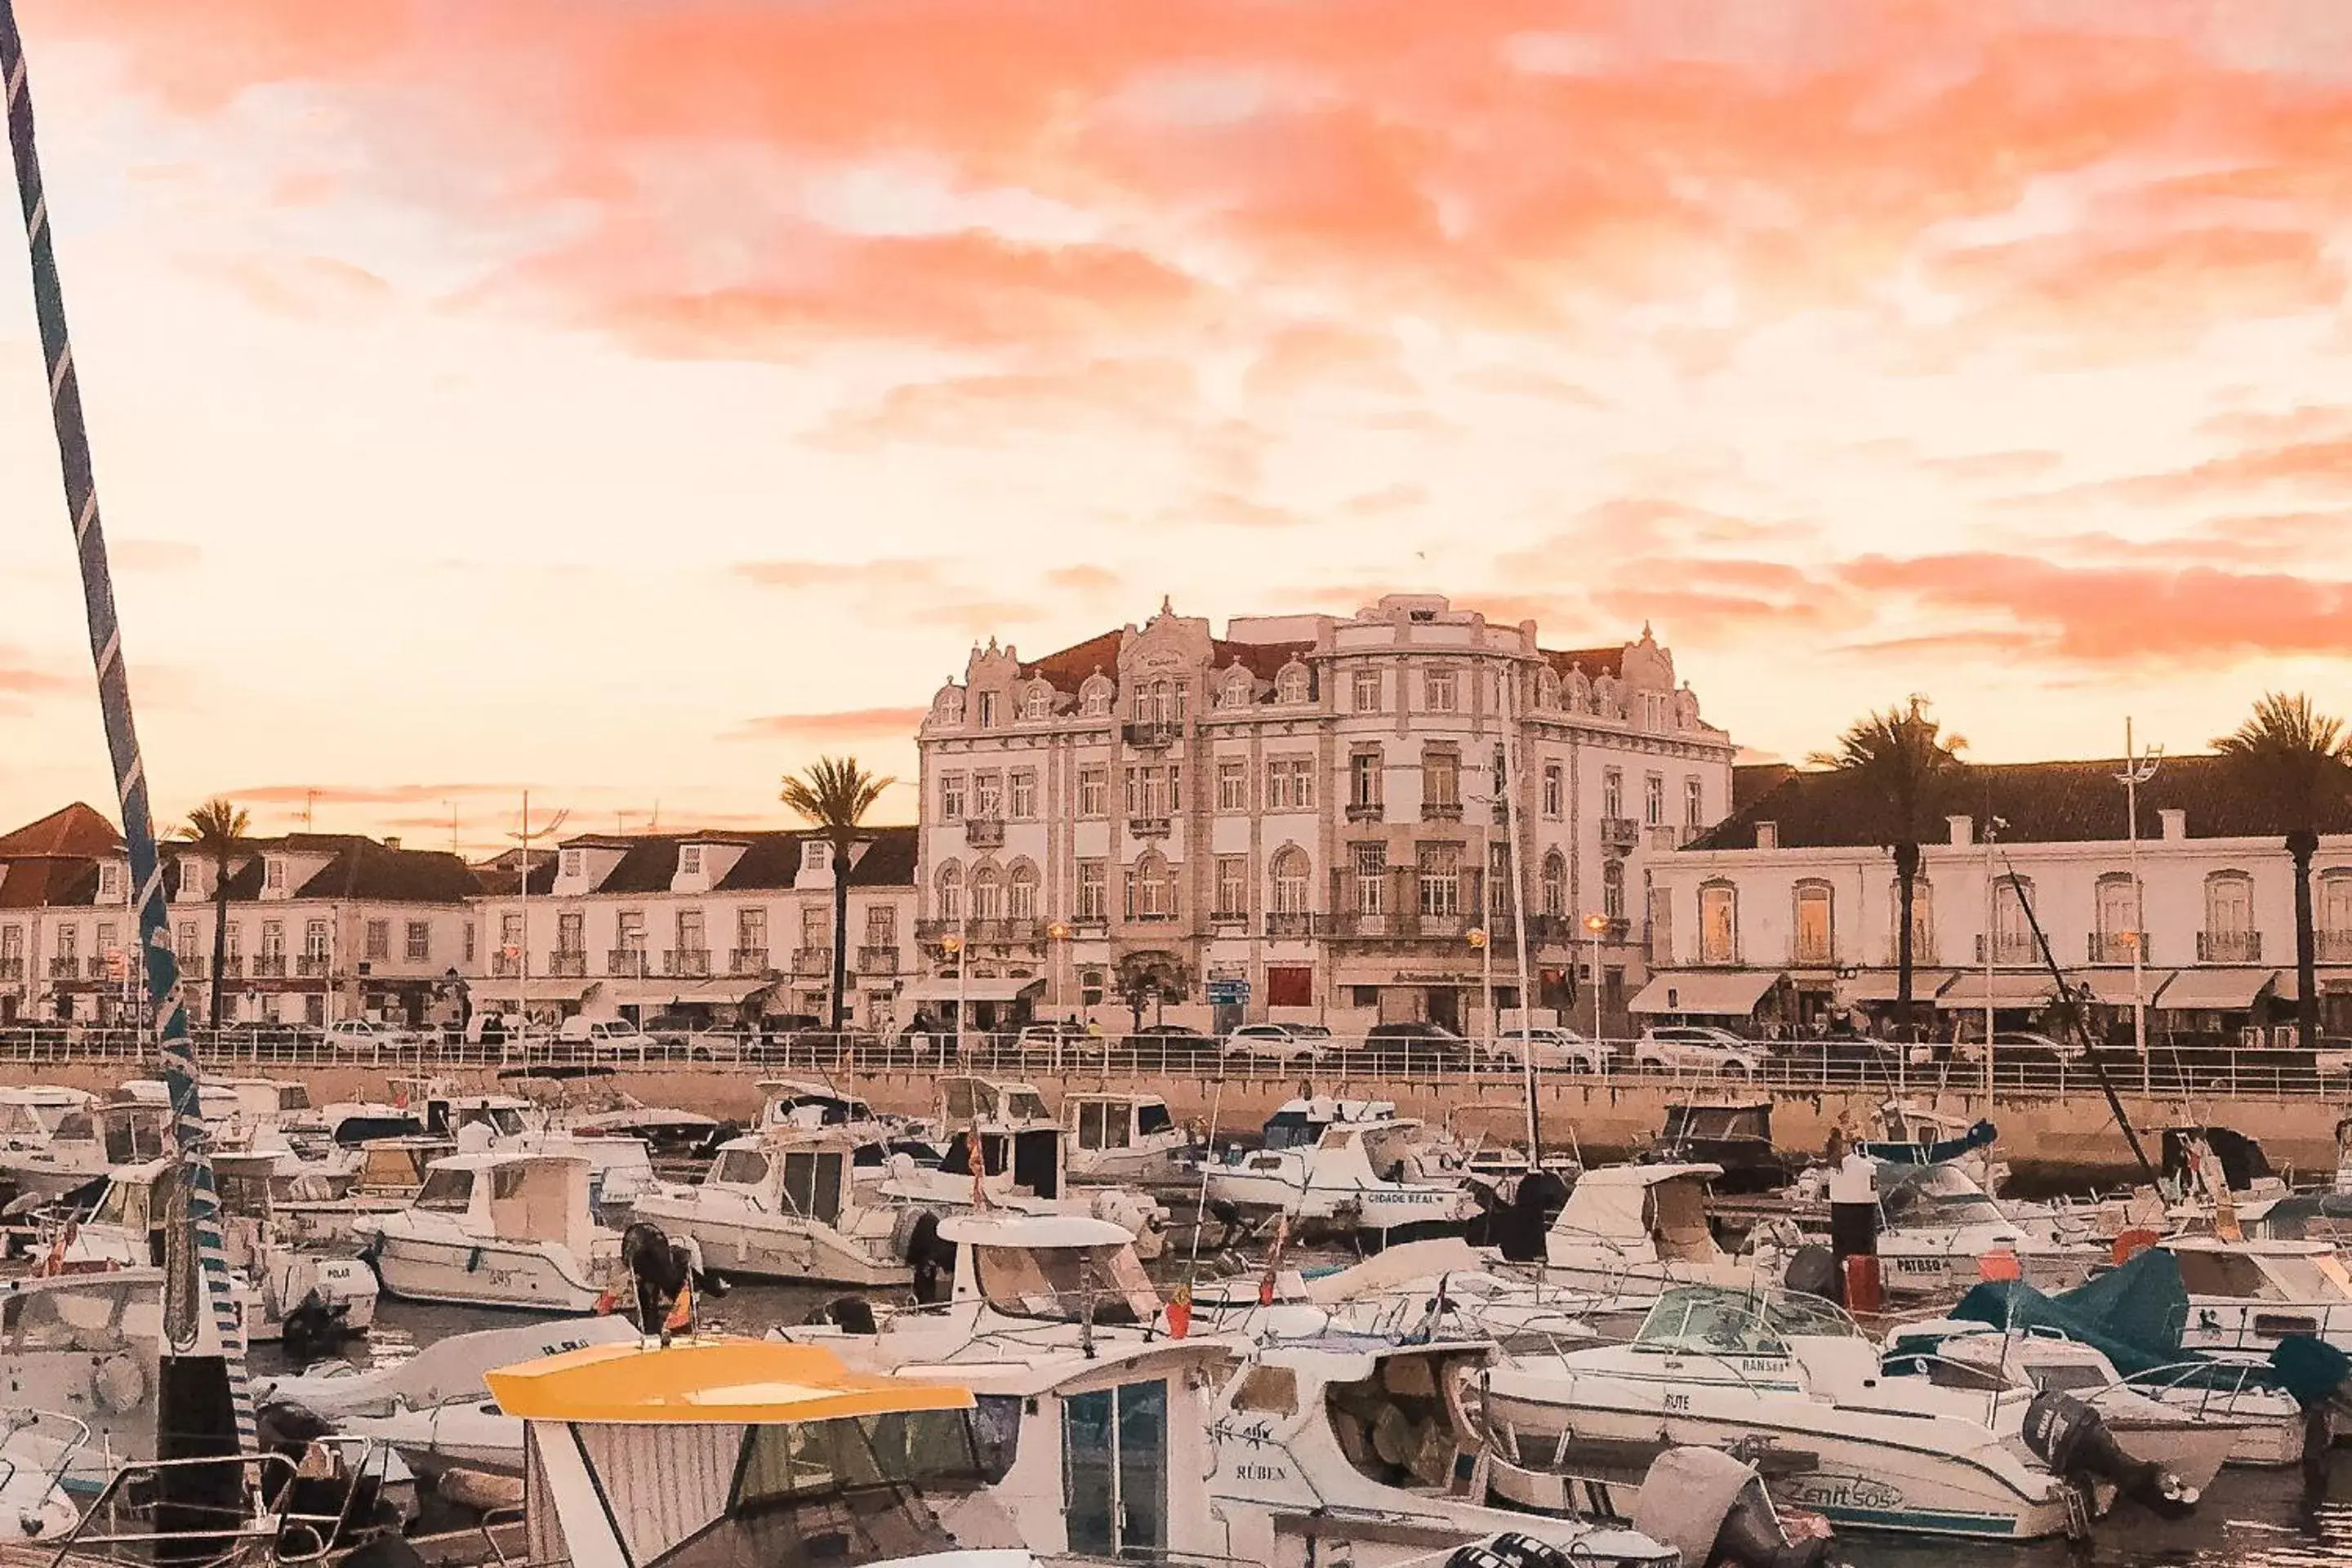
<point x="1931" y="1198"/>
<point x="965" y="1099"/>
<point x="798" y="1172"/>
<point x="2305" y="1271"/>
<point x="503" y="1116"/>
<point x="31" y="1113"/>
<point x="1734" y="1134"/>
<point x="1633" y="1216"/>
<point x="1300" y="1123"/>
<point x="1032" y="1155"/>
<point x="1059" y="1269"/>
<point x="396" y="1167"/>
<point x="711" y="1453"/>
<point x="126" y="1130"/>
<point x="791" y="1103"/>
<point x="2243" y="1163"/>
<point x="514" y="1197"/>
<point x="1102" y="1121"/>
<point x="131" y="1218"/>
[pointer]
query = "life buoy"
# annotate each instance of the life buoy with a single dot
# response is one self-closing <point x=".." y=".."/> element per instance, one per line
<point x="119" y="1384"/>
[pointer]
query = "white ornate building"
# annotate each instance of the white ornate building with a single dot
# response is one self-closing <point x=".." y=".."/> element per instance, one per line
<point x="1311" y="805"/>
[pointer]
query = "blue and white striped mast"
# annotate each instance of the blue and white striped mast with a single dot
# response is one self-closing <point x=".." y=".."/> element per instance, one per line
<point x="204" y="1374"/>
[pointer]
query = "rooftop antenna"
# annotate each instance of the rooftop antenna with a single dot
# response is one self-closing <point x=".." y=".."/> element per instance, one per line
<point x="453" y="829"/>
<point x="310" y="804"/>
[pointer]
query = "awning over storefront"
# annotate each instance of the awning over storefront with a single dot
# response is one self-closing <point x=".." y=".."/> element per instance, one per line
<point x="660" y="993"/>
<point x="506" y="991"/>
<point x="1706" y="992"/>
<point x="1881" y="984"/>
<point x="978" y="988"/>
<point x="2333" y="978"/>
<point x="2013" y="988"/>
<point x="2215" y="990"/>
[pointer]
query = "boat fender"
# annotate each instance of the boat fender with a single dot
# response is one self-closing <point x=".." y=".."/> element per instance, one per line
<point x="119" y="1384"/>
<point x="480" y="1490"/>
<point x="2068" y="1435"/>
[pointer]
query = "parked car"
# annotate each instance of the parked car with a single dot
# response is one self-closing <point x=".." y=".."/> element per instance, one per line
<point x="2011" y="1046"/>
<point x="608" y="1039"/>
<point x="1417" y="1041"/>
<point x="1172" y="1039"/>
<point x="370" y="1034"/>
<point x="1278" y="1043"/>
<point x="1695" y="1047"/>
<point x="1063" y="1036"/>
<point x="1553" y="1050"/>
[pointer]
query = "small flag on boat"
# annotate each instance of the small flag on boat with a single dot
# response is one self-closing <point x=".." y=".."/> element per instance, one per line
<point x="1994" y="1268"/>
<point x="681" y="1313"/>
<point x="609" y="1302"/>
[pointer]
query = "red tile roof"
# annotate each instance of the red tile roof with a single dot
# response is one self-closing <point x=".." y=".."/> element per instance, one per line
<point x="1068" y="669"/>
<point x="74" y="833"/>
<point x="1596" y="662"/>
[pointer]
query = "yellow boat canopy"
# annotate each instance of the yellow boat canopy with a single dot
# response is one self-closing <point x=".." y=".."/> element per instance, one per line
<point x="709" y="1381"/>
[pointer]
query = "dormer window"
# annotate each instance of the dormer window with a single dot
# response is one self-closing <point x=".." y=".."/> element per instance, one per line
<point x="273" y="875"/>
<point x="952" y="707"/>
<point x="1039" y="701"/>
<point x="818" y="854"/>
<point x="575" y="863"/>
<point x="1291" y="685"/>
<point x="689" y="860"/>
<point x="110" y="881"/>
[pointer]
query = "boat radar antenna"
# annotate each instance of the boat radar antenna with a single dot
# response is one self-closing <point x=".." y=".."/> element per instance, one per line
<point x="204" y="1402"/>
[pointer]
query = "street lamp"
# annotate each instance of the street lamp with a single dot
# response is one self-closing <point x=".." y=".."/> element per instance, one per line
<point x="1594" y="926"/>
<point x="1476" y="938"/>
<point x="2139" y="768"/>
<point x="1057" y="937"/>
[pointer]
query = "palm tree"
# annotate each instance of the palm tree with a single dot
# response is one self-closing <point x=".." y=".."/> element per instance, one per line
<point x="833" y="795"/>
<point x="217" y="830"/>
<point x="1906" y="767"/>
<point x="2298" y="763"/>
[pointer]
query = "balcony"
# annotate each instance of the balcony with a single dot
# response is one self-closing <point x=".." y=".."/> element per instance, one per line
<point x="268" y="966"/>
<point x="1290" y="923"/>
<point x="1441" y="811"/>
<point x="629" y="961"/>
<point x="1009" y="931"/>
<point x="1153" y="735"/>
<point x="1229" y="917"/>
<point x="505" y="965"/>
<point x="2333" y="946"/>
<point x="566" y="964"/>
<point x="2008" y="950"/>
<point x="65" y="968"/>
<point x="747" y="960"/>
<point x="812" y="961"/>
<point x="688" y="963"/>
<point x="2118" y="946"/>
<point x="1148" y="826"/>
<point x="1409" y="926"/>
<point x="12" y="969"/>
<point x="2229" y="947"/>
<point x="1152" y="917"/>
<point x="1620" y="833"/>
<point x="937" y="931"/>
<point x="1811" y="955"/>
<point x="984" y="831"/>
<point x="233" y="966"/>
<point x="311" y="965"/>
<point x="1365" y="811"/>
<point x="877" y="961"/>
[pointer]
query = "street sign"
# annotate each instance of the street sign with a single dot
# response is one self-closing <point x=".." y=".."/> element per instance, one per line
<point x="1228" y="993"/>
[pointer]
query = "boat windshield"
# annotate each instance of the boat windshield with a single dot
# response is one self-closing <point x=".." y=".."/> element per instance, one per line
<point x="1728" y="1322"/>
<point x="1067" y="1284"/>
<point x="22" y="1122"/>
<point x="826" y="1493"/>
<point x="1933" y="1195"/>
<point x="446" y="1190"/>
<point x="1025" y="1105"/>
<point x="503" y="1120"/>
<point x="293" y="1096"/>
<point x="2263" y="1276"/>
<point x="1152" y="1116"/>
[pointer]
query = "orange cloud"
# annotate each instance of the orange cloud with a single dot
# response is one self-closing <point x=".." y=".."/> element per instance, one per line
<point x="1149" y="394"/>
<point x="847" y="725"/>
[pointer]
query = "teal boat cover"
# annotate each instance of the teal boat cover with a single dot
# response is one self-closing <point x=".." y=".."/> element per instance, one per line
<point x="2132" y="1315"/>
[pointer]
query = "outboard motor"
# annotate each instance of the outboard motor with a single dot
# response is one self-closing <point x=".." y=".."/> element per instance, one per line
<point x="1714" y="1509"/>
<point x="660" y="1269"/>
<point x="2320" y="1377"/>
<point x="314" y="1331"/>
<point x="1509" y="1550"/>
<point x="1812" y="1271"/>
<point x="1519" y="1226"/>
<point x="2068" y="1435"/>
<point x="850" y="1314"/>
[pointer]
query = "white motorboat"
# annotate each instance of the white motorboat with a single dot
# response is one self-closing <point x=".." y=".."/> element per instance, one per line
<point x="2191" y="1418"/>
<point x="1364" y="1178"/>
<point x="791" y="1203"/>
<point x="620" y="1170"/>
<point x="85" y="1346"/>
<point x="37" y="1449"/>
<point x="31" y="1113"/>
<point x="86" y="1145"/>
<point x="1115" y="1137"/>
<point x="440" y="1370"/>
<point x="284" y="1291"/>
<point x="1790" y="1378"/>
<point x="496" y="1230"/>
<point x="1939" y="1225"/>
<point x="2246" y="1294"/>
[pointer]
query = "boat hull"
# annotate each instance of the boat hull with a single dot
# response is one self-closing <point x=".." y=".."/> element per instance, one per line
<point x="764" y="1246"/>
<point x="544" y="1279"/>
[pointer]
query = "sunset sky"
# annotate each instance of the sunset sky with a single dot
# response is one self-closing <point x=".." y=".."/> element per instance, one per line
<point x="632" y="399"/>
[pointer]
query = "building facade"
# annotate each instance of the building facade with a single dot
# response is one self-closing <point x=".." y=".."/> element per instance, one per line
<point x="722" y="927"/>
<point x="320" y="926"/>
<point x="1788" y="910"/>
<point x="1311" y="806"/>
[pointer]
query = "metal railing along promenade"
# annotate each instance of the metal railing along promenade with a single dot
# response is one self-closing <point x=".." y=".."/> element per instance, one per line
<point x="1787" y="1067"/>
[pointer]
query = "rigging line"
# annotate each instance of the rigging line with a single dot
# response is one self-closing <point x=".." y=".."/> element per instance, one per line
<point x="2071" y="1010"/>
<point x="159" y="964"/>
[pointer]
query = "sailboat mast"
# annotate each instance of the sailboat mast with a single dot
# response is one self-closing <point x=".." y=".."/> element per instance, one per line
<point x="204" y="1359"/>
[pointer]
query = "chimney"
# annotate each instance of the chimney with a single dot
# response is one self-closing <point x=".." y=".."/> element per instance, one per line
<point x="392" y="843"/>
<point x="2176" y="824"/>
<point x="1768" y="836"/>
<point x="1963" y="830"/>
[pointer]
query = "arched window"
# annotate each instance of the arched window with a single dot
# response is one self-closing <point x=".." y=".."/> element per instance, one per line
<point x="1021" y="892"/>
<point x="1612" y="888"/>
<point x="1290" y="684"/>
<point x="2229" y="936"/>
<point x="1037" y="702"/>
<point x="987" y="893"/>
<point x="1718" y="923"/>
<point x="1815" y="940"/>
<point x="1546" y="688"/>
<point x="1151" y="889"/>
<point x="1096" y="696"/>
<point x="948" y="708"/>
<point x="1923" y="919"/>
<point x="1554" y="889"/>
<point x="2013" y="931"/>
<point x="1236" y="690"/>
<point x="2120" y="935"/>
<point x="1288" y="869"/>
<point x="947" y="892"/>
<point x="1579" y="692"/>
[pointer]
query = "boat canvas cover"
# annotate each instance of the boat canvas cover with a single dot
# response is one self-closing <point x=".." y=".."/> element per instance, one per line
<point x="1634" y="1204"/>
<point x="1979" y="1136"/>
<point x="2133" y="1315"/>
<point x="541" y="1200"/>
